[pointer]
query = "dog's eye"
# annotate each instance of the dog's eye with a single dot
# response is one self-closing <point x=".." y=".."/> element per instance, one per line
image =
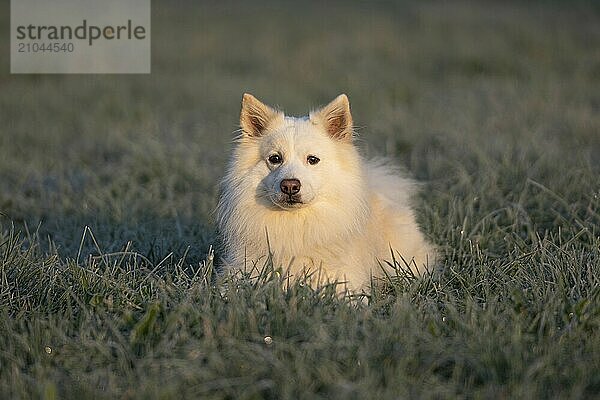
<point x="312" y="160"/>
<point x="275" y="159"/>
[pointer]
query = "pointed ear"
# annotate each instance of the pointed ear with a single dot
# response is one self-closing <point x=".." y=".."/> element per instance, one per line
<point x="335" y="117"/>
<point x="256" y="117"/>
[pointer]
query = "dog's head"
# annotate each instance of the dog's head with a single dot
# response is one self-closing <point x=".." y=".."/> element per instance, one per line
<point x="295" y="162"/>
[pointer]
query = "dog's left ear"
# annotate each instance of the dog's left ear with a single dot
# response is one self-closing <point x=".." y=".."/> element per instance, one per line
<point x="256" y="116"/>
<point x="335" y="118"/>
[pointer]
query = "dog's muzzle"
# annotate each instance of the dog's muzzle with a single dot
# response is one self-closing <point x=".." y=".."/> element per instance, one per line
<point x="290" y="196"/>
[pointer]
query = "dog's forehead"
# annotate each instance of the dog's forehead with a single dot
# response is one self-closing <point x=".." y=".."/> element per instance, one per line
<point x="292" y="120"/>
<point x="295" y="135"/>
<point x="299" y="126"/>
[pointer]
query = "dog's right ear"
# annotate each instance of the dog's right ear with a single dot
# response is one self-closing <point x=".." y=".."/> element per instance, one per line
<point x="256" y="117"/>
<point x="335" y="118"/>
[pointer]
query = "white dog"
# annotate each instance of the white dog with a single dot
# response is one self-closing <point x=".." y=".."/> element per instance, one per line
<point x="297" y="188"/>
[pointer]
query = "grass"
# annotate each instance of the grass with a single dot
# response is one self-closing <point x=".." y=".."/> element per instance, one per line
<point x="107" y="185"/>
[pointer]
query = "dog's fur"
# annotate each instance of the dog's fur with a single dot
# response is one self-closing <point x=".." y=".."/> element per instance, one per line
<point x="347" y="214"/>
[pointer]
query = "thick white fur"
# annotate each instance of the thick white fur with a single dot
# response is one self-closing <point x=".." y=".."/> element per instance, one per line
<point x="353" y="211"/>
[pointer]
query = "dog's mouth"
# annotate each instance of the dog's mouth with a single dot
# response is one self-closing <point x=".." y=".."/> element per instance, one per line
<point x="291" y="201"/>
<point x="288" y="202"/>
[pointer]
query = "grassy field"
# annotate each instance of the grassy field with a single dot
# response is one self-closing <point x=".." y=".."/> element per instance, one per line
<point x="107" y="186"/>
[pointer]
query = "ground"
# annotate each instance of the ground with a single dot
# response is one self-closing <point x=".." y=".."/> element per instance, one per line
<point x="108" y="186"/>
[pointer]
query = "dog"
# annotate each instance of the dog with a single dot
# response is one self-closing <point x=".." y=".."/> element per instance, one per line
<point x="297" y="192"/>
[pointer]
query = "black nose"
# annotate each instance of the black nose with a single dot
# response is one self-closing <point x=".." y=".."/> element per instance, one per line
<point x="290" y="186"/>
